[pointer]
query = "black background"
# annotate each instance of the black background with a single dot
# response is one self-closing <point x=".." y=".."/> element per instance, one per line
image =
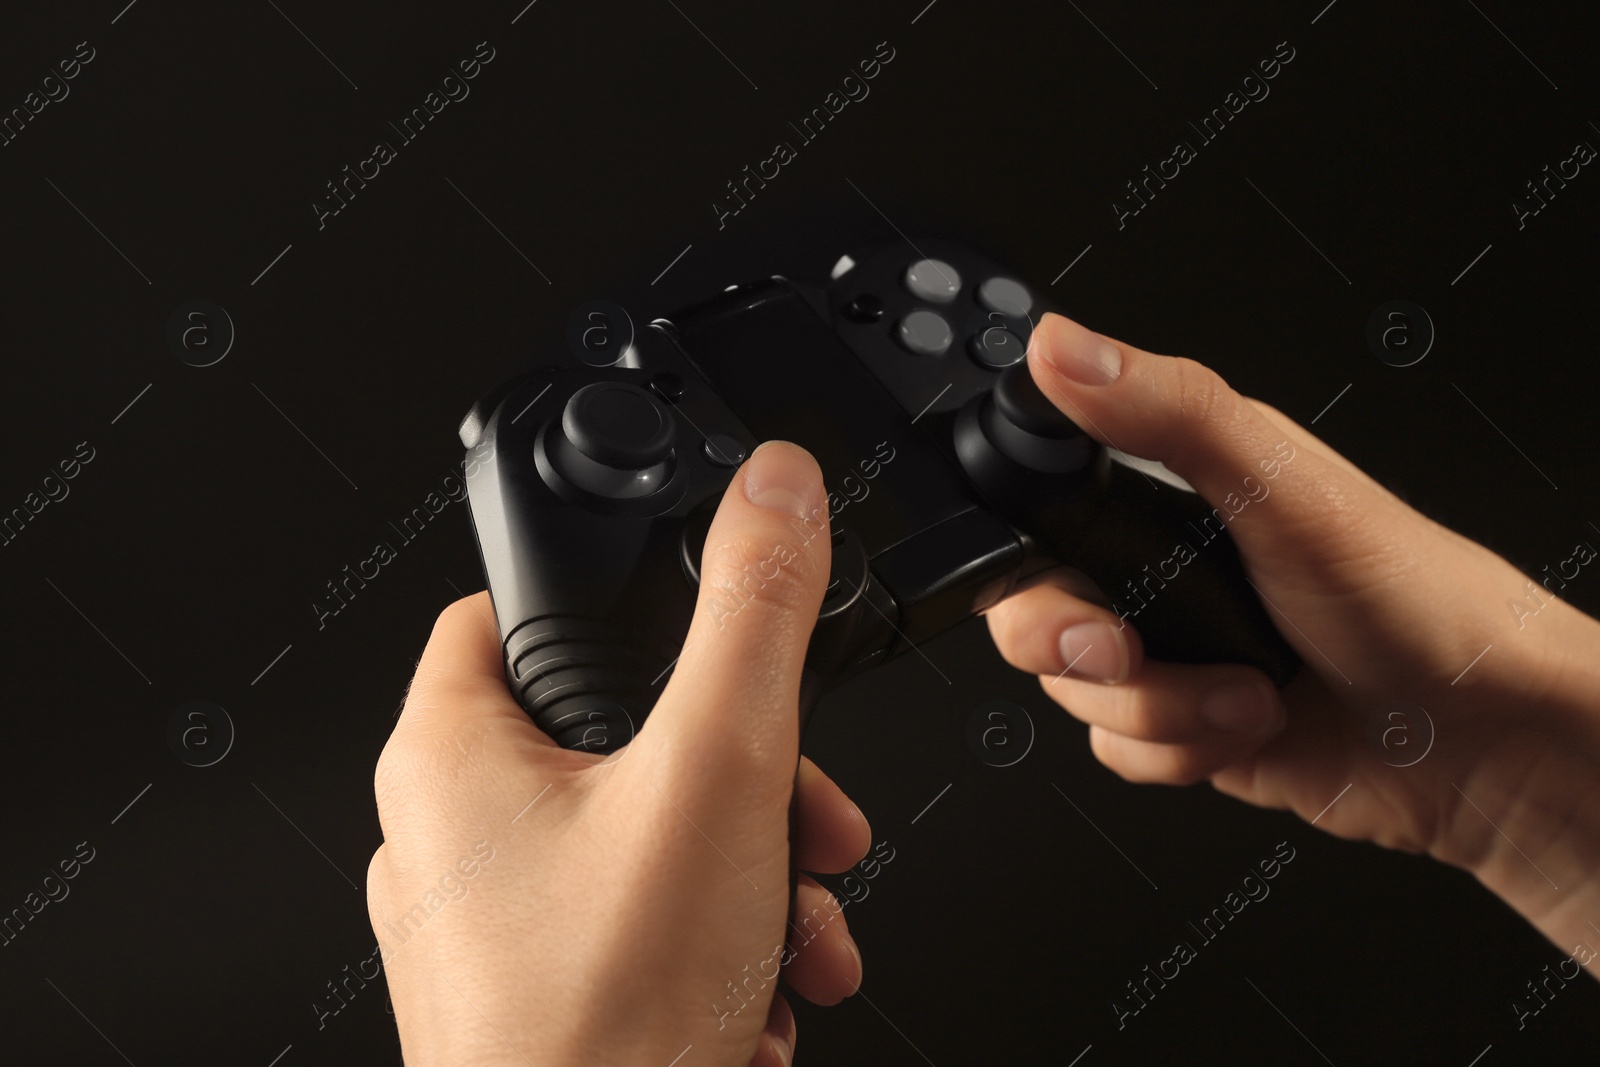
<point x="191" y="548"/>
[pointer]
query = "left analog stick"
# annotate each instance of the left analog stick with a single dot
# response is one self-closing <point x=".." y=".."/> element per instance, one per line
<point x="614" y="440"/>
<point x="618" y="425"/>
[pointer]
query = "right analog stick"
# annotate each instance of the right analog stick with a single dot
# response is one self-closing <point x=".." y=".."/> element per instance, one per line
<point x="1030" y="430"/>
<point x="1020" y="402"/>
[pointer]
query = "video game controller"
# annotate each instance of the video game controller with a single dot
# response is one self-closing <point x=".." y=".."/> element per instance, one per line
<point x="951" y="480"/>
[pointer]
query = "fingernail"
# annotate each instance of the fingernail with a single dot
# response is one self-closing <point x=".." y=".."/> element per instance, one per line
<point x="1081" y="355"/>
<point x="1248" y="706"/>
<point x="783" y="477"/>
<point x="855" y="951"/>
<point x="782" y="1048"/>
<point x="1097" y="651"/>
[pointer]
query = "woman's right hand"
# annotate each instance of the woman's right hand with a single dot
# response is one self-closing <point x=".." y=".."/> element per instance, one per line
<point x="1391" y="613"/>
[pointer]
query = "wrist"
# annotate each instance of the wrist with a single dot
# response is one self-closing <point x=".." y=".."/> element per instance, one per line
<point x="467" y="1017"/>
<point x="1526" y="820"/>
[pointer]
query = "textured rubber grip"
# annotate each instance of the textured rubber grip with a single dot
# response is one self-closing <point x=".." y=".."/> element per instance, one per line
<point x="587" y="683"/>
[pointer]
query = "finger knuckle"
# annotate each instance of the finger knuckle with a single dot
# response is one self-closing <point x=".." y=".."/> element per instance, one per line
<point x="773" y="568"/>
<point x="1112" y="753"/>
<point x="377" y="879"/>
<point x="1134" y="716"/>
<point x="1187" y="767"/>
<point x="392" y="778"/>
<point x="1202" y="398"/>
<point x="416" y="762"/>
<point x="1003" y="632"/>
<point x="1144" y="763"/>
<point x="456" y="614"/>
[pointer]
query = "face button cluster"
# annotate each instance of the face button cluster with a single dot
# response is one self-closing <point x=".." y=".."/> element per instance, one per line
<point x="994" y="339"/>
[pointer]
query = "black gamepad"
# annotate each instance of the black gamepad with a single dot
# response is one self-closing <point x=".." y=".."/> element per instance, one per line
<point x="951" y="480"/>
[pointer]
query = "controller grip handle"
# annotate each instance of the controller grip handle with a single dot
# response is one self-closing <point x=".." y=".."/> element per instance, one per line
<point x="586" y="682"/>
<point x="1162" y="554"/>
<point x="1166" y="559"/>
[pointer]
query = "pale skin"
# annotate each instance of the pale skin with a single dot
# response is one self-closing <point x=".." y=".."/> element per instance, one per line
<point x="623" y="908"/>
<point x="640" y="904"/>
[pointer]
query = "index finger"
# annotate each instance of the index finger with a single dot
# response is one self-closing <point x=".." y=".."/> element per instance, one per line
<point x="461" y="675"/>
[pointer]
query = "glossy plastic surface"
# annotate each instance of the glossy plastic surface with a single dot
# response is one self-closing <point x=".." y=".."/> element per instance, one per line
<point x="941" y="498"/>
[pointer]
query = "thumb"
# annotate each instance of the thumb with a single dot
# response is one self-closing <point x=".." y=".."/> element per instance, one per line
<point x="1182" y="414"/>
<point x="732" y="705"/>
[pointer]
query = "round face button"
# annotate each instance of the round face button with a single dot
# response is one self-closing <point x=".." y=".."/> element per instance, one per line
<point x="996" y="347"/>
<point x="933" y="280"/>
<point x="925" y="333"/>
<point x="1005" y="296"/>
<point x="617" y="425"/>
